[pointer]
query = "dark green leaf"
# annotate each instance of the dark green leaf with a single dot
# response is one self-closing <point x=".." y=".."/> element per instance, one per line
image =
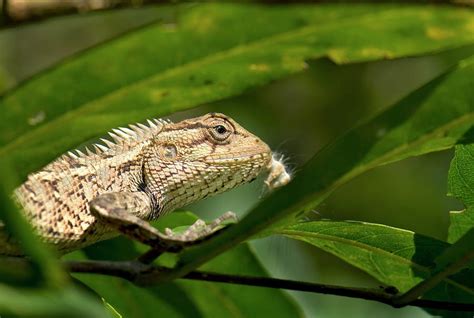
<point x="167" y="68"/>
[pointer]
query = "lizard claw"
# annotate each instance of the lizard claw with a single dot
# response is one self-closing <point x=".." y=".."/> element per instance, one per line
<point x="200" y="229"/>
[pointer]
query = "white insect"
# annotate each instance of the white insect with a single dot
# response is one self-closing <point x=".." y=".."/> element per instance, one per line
<point x="278" y="174"/>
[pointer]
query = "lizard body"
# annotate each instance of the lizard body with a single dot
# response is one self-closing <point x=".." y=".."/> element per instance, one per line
<point x="146" y="172"/>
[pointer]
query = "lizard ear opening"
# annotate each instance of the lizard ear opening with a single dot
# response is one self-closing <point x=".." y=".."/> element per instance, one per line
<point x="167" y="152"/>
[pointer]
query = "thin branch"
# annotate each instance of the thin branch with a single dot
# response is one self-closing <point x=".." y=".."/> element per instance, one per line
<point x="129" y="270"/>
<point x="142" y="274"/>
<point x="20" y="11"/>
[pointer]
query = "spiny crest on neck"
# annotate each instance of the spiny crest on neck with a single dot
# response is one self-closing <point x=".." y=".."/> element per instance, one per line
<point x="123" y="140"/>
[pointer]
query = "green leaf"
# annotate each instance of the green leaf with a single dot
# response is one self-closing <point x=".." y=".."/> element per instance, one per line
<point x="461" y="186"/>
<point x="394" y="256"/>
<point x="461" y="223"/>
<point x="164" y="69"/>
<point x="430" y="119"/>
<point x="67" y="302"/>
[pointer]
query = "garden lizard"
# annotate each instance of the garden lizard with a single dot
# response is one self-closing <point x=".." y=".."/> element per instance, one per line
<point x="144" y="173"/>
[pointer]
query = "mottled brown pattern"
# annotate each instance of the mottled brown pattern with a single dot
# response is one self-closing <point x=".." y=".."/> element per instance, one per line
<point x="148" y="170"/>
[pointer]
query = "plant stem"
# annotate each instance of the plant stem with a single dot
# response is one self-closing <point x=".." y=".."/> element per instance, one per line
<point x="142" y="274"/>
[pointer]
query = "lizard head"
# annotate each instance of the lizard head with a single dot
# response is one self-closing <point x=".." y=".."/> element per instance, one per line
<point x="201" y="157"/>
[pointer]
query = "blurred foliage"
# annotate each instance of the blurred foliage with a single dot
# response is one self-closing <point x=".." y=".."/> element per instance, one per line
<point x="184" y="298"/>
<point x="207" y="52"/>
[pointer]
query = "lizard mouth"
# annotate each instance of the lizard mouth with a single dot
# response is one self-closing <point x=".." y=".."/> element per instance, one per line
<point x="263" y="158"/>
<point x="257" y="153"/>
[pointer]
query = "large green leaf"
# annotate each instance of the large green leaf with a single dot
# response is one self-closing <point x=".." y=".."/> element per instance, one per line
<point x="461" y="186"/>
<point x="430" y="119"/>
<point x="188" y="298"/>
<point x="394" y="256"/>
<point x="214" y="51"/>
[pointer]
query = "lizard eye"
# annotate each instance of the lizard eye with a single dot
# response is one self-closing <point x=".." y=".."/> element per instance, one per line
<point x="220" y="132"/>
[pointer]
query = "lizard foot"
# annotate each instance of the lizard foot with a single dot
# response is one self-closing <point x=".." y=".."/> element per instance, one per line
<point x="174" y="241"/>
<point x="200" y="230"/>
<point x="109" y="208"/>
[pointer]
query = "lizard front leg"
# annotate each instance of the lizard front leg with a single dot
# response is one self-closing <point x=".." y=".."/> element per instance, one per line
<point x="124" y="211"/>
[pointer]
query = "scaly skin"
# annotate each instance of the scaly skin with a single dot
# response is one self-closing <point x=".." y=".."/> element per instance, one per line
<point x="146" y="172"/>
